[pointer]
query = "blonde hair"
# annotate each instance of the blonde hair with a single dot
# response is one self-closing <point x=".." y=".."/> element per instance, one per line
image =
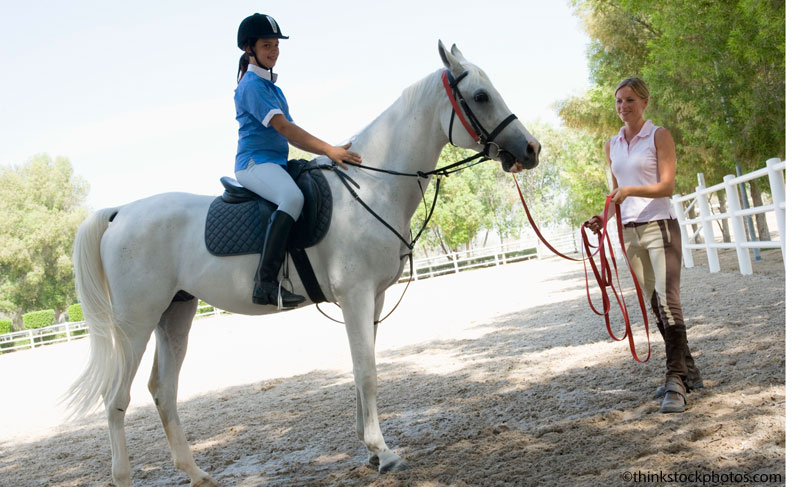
<point x="637" y="85"/>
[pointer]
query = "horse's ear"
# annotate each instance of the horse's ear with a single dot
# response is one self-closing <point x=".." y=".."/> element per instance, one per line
<point x="452" y="61"/>
<point x="457" y="53"/>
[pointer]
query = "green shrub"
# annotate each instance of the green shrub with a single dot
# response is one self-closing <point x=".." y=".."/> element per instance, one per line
<point x="203" y="307"/>
<point x="77" y="333"/>
<point x="5" y="326"/>
<point x="75" y="312"/>
<point x="39" y="319"/>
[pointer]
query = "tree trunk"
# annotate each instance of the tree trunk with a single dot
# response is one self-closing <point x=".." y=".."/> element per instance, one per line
<point x="16" y="321"/>
<point x="723" y="208"/>
<point x="441" y="241"/>
<point x="761" y="218"/>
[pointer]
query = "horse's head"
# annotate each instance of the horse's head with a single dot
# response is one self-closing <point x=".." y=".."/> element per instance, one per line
<point x="480" y="119"/>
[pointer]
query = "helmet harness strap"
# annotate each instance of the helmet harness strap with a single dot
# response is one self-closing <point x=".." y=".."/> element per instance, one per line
<point x="252" y="54"/>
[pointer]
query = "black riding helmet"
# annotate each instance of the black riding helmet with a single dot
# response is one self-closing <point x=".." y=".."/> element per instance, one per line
<point x="258" y="26"/>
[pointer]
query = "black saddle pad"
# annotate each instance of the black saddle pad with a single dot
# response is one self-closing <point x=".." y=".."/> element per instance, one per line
<point x="238" y="228"/>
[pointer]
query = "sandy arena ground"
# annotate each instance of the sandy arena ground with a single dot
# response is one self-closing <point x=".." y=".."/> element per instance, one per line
<point x="500" y="376"/>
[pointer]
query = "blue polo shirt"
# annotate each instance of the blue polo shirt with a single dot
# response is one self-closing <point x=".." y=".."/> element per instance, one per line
<point x="257" y="101"/>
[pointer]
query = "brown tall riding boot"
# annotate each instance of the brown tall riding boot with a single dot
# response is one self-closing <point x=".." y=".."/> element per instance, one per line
<point x="692" y="380"/>
<point x="675" y="390"/>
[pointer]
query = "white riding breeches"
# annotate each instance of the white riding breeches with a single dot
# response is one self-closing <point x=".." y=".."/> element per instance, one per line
<point x="273" y="183"/>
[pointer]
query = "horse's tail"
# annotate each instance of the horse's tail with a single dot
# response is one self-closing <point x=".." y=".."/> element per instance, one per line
<point x="103" y="373"/>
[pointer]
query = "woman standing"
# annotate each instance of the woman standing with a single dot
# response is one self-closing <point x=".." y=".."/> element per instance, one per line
<point x="642" y="160"/>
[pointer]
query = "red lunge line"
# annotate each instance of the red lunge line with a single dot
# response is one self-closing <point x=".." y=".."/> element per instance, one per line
<point x="603" y="274"/>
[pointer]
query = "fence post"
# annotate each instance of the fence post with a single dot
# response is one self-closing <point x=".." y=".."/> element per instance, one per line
<point x="688" y="259"/>
<point x="30" y="335"/>
<point x="778" y="189"/>
<point x="708" y="230"/>
<point x="455" y="261"/>
<point x="739" y="235"/>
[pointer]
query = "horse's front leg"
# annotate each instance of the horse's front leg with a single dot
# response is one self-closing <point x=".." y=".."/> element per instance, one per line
<point x="373" y="458"/>
<point x="359" y="315"/>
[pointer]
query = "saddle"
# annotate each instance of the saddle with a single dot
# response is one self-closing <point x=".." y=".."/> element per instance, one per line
<point x="237" y="221"/>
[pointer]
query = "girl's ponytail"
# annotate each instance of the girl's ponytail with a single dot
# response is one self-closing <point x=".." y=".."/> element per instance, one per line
<point x="244" y="61"/>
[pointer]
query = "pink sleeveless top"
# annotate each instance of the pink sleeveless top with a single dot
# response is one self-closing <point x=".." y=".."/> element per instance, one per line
<point x="637" y="165"/>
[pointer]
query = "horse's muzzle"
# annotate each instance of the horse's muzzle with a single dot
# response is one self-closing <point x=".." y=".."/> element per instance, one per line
<point x="532" y="154"/>
<point x="528" y="160"/>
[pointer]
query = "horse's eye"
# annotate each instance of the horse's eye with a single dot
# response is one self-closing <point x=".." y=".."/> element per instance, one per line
<point x="481" y="96"/>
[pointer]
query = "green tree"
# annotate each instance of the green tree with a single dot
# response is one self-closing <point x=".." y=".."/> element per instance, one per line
<point x="716" y="72"/>
<point x="568" y="185"/>
<point x="459" y="215"/>
<point x="40" y="211"/>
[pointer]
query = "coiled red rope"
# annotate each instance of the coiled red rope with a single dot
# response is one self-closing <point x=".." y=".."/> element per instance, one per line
<point x="603" y="275"/>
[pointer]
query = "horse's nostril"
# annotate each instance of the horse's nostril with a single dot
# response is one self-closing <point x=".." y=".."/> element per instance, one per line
<point x="533" y="148"/>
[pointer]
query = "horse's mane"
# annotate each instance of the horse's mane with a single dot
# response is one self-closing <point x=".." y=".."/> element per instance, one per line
<point x="424" y="87"/>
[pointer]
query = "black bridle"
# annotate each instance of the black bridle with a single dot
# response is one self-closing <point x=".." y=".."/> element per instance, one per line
<point x="461" y="108"/>
<point x="470" y="122"/>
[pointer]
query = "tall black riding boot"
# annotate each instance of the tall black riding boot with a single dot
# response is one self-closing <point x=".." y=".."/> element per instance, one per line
<point x="266" y="280"/>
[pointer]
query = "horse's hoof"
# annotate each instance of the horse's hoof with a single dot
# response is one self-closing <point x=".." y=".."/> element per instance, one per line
<point x="393" y="463"/>
<point x="374" y="460"/>
<point x="206" y="482"/>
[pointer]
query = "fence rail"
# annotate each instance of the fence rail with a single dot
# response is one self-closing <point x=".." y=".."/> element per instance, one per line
<point x="456" y="262"/>
<point x="775" y="171"/>
<point x="59" y="333"/>
<point x="63" y="332"/>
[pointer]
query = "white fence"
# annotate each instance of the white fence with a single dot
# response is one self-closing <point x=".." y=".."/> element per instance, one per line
<point x="775" y="171"/>
<point x="38" y="337"/>
<point x="456" y="262"/>
<point x="62" y="332"/>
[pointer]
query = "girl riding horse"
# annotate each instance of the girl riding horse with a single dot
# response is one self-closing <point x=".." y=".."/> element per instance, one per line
<point x="265" y="131"/>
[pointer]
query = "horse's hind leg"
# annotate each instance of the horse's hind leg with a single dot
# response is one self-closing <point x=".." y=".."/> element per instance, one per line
<point x="134" y="343"/>
<point x="172" y="336"/>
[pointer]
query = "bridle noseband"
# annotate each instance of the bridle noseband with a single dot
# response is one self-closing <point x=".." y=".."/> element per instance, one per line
<point x="470" y="122"/>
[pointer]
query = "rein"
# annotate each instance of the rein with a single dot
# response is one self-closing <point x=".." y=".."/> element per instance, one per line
<point x="603" y="275"/>
<point x="475" y="130"/>
<point x="348" y="183"/>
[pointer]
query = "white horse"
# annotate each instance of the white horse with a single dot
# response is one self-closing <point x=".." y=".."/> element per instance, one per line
<point x="128" y="271"/>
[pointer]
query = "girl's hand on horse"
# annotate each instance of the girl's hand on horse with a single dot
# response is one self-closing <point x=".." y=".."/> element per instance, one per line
<point x="339" y="154"/>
